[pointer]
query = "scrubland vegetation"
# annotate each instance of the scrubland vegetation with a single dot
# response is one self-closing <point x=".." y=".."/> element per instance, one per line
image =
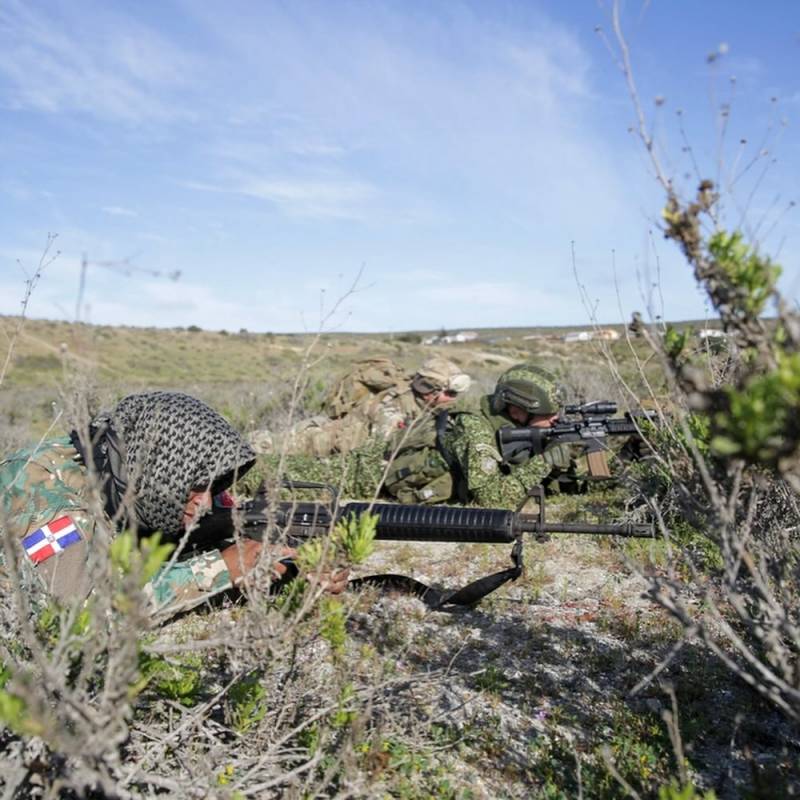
<point x="661" y="669"/>
<point x="666" y="669"/>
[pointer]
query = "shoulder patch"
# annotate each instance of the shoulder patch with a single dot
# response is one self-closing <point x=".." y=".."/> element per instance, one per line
<point x="51" y="539"/>
<point x="488" y="466"/>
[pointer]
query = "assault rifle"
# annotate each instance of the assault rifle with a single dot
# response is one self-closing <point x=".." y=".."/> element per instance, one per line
<point x="590" y="424"/>
<point x="293" y="522"/>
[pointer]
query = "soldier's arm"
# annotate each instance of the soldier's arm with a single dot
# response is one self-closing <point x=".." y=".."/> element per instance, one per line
<point x="187" y="583"/>
<point x="489" y="483"/>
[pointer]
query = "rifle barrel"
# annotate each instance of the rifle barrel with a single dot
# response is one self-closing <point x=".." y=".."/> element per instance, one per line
<point x="416" y="523"/>
<point x="529" y="523"/>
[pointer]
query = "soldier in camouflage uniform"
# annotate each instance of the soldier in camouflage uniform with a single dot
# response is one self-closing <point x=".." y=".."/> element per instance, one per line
<point x="456" y="457"/>
<point x="405" y="418"/>
<point x="525" y="395"/>
<point x="375" y="400"/>
<point x="157" y="459"/>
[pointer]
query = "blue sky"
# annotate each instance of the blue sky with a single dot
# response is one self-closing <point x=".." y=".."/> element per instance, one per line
<point x="448" y="152"/>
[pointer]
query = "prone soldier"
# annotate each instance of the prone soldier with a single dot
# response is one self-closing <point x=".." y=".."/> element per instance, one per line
<point x="455" y="456"/>
<point x="375" y="400"/>
<point x="156" y="460"/>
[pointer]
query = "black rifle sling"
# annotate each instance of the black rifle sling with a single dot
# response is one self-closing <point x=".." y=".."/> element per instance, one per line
<point x="442" y="419"/>
<point x="439" y="598"/>
<point x="219" y="525"/>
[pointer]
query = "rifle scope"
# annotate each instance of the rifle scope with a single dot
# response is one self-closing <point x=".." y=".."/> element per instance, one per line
<point x="598" y="407"/>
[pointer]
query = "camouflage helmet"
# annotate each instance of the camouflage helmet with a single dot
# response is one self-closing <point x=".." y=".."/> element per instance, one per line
<point x="440" y="374"/>
<point x="533" y="388"/>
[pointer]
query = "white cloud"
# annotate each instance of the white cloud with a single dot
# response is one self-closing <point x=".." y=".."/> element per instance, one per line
<point x="119" y="211"/>
<point x="342" y="199"/>
<point x="94" y="63"/>
<point x="333" y="199"/>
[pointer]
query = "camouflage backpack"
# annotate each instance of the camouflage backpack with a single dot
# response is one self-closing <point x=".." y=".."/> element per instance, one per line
<point x="419" y="473"/>
<point x="368" y="379"/>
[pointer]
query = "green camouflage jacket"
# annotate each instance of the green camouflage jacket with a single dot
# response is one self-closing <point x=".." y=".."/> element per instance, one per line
<point x="480" y="475"/>
<point x="40" y="487"/>
<point x="483" y="477"/>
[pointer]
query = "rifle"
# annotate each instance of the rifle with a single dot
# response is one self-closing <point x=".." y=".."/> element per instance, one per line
<point x="589" y="424"/>
<point x="295" y="521"/>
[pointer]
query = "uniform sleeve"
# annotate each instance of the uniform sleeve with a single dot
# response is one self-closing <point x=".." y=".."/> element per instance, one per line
<point x="489" y="482"/>
<point x="41" y="485"/>
<point x="187" y="583"/>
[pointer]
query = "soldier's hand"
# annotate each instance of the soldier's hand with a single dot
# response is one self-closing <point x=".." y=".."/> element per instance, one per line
<point x="332" y="581"/>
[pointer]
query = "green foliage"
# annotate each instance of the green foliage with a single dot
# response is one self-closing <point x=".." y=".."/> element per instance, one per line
<point x="332" y="626"/>
<point x="49" y="628"/>
<point x="411" y="771"/>
<point x="310" y="553"/>
<point x="352" y="537"/>
<point x="313" y="400"/>
<point x="309" y="738"/>
<point x="754" y="275"/>
<point x="247" y="699"/>
<point x="143" y="560"/>
<point x="14" y="710"/>
<point x="180" y="681"/>
<point x="345" y="713"/>
<point x="675" y="342"/>
<point x="290" y="598"/>
<point x="637" y="745"/>
<point x="355" y="536"/>
<point x="674" y="791"/>
<point x="755" y="423"/>
<point x="491" y="680"/>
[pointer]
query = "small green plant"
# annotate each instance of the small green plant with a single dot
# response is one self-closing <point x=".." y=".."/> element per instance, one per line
<point x="345" y="714"/>
<point x="332" y="626"/>
<point x="758" y="416"/>
<point x="674" y="791"/>
<point x="310" y="554"/>
<point x="247" y="703"/>
<point x="355" y="535"/>
<point x="14" y="710"/>
<point x="143" y="557"/>
<point x="179" y="681"/>
<point x="675" y="342"/>
<point x="491" y="680"/>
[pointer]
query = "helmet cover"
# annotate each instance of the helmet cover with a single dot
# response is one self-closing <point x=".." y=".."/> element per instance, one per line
<point x="530" y="387"/>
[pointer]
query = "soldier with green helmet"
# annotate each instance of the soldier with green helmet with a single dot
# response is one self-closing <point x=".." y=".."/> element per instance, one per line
<point x="525" y="395"/>
<point x="454" y="456"/>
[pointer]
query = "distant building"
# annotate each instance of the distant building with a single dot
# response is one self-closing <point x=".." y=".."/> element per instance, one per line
<point x="452" y="338"/>
<point x="577" y="336"/>
<point x="711" y="333"/>
<point x="606" y="334"/>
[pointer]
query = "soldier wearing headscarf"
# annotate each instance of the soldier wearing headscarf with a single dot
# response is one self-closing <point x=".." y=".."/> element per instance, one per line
<point x="156" y="461"/>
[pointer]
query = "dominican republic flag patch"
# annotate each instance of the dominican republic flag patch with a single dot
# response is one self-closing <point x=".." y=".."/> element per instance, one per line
<point x="51" y="539"/>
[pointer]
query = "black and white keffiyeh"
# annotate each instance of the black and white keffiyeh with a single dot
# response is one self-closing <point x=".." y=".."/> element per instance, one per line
<point x="158" y="446"/>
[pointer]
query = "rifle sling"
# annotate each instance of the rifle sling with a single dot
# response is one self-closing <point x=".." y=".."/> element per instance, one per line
<point x="437" y="599"/>
<point x="442" y="420"/>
